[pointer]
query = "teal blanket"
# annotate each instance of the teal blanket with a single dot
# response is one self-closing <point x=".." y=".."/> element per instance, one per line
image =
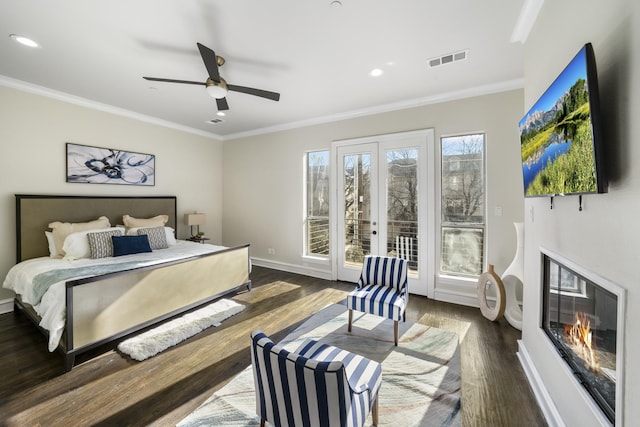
<point x="43" y="281"/>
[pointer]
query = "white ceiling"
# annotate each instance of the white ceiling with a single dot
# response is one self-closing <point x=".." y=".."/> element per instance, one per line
<point x="317" y="56"/>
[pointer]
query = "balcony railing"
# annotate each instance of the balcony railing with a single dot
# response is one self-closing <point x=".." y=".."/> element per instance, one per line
<point x="318" y="236"/>
<point x="402" y="241"/>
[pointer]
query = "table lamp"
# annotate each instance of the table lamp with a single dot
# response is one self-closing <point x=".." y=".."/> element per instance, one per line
<point x="195" y="219"/>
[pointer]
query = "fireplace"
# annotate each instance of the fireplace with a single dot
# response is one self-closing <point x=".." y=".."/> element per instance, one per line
<point x="583" y="317"/>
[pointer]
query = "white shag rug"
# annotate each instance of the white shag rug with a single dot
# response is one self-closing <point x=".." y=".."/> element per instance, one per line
<point x="154" y="341"/>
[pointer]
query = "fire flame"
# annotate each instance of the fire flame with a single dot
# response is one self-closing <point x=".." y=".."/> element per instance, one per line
<point x="580" y="336"/>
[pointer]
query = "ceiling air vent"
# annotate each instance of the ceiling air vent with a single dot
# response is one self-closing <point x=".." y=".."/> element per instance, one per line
<point x="449" y="58"/>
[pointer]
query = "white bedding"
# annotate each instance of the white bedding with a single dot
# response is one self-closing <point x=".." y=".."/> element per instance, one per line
<point x="51" y="308"/>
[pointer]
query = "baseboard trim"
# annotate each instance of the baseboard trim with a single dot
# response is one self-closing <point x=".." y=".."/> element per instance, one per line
<point x="6" y="305"/>
<point x="454" y="297"/>
<point x="290" y="268"/>
<point x="545" y="402"/>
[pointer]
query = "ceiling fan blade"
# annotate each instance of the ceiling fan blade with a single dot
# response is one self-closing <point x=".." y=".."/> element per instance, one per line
<point x="210" y="61"/>
<point x="222" y="104"/>
<point x="190" y="82"/>
<point x="257" y="92"/>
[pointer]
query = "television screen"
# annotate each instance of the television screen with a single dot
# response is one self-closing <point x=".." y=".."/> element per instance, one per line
<point x="560" y="137"/>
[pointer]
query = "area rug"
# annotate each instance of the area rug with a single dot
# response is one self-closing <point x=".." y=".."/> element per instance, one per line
<point x="156" y="340"/>
<point x="420" y="377"/>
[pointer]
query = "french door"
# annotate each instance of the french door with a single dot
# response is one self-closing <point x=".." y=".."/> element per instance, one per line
<point x="385" y="204"/>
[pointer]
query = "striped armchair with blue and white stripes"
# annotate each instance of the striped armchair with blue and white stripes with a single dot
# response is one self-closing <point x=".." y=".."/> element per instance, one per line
<point x="382" y="290"/>
<point x="316" y="385"/>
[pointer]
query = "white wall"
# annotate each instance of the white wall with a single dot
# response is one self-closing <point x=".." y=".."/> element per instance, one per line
<point x="263" y="176"/>
<point x="604" y="236"/>
<point x="33" y="133"/>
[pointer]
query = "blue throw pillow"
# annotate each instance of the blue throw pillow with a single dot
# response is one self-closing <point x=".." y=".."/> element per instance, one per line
<point x="127" y="245"/>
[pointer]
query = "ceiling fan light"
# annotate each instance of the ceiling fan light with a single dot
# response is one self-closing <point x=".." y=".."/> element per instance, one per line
<point x="217" y="90"/>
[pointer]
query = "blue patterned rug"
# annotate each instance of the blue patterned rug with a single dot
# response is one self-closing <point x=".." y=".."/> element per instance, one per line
<point x="420" y="377"/>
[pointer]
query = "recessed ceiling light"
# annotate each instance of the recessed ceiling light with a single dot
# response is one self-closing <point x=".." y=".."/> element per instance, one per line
<point x="376" y="72"/>
<point x="221" y="113"/>
<point x="24" y="40"/>
<point x="335" y="3"/>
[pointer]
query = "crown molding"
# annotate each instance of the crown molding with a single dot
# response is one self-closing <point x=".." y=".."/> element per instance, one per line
<point x="88" y="103"/>
<point x="402" y="105"/>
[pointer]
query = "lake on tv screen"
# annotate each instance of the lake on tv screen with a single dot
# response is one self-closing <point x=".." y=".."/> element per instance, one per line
<point x="531" y="169"/>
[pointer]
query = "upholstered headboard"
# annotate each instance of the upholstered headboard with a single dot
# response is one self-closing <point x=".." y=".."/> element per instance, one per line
<point x="35" y="212"/>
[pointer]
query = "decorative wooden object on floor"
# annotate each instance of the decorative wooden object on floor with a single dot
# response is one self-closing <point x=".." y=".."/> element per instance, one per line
<point x="496" y="311"/>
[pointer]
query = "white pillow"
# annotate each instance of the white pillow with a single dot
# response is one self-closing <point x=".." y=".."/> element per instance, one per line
<point x="53" y="252"/>
<point x="171" y="237"/>
<point x="76" y="245"/>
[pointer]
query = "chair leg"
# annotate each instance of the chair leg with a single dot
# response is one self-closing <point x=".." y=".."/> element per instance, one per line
<point x="374" y="412"/>
<point x="262" y="422"/>
<point x="395" y="332"/>
<point x="350" y="319"/>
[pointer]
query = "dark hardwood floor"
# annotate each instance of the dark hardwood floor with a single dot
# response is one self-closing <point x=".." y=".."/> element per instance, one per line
<point x="112" y="390"/>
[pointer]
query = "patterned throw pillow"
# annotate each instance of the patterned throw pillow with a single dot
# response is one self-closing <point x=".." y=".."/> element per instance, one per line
<point x="100" y="244"/>
<point x="157" y="237"/>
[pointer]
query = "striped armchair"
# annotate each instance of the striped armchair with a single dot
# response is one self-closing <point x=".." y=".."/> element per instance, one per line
<point x="317" y="385"/>
<point x="381" y="290"/>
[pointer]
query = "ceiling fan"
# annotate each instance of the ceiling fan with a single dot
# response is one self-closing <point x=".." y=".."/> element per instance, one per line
<point x="216" y="86"/>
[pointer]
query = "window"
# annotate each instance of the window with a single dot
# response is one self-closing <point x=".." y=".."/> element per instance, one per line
<point x="463" y="205"/>
<point x="317" y="204"/>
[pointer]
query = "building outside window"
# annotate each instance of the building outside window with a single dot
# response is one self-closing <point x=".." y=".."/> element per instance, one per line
<point x="463" y="205"/>
<point x="317" y="204"/>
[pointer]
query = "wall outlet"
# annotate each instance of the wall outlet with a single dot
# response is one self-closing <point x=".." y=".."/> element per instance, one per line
<point x="271" y="251"/>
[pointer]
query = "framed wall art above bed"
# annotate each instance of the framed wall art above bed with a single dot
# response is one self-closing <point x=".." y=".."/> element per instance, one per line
<point x="94" y="165"/>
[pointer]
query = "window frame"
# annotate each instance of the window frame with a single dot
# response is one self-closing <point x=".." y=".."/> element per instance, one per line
<point x="443" y="224"/>
<point x="306" y="252"/>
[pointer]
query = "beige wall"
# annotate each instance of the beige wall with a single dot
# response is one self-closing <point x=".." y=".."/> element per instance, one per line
<point x="33" y="133"/>
<point x="255" y="194"/>
<point x="263" y="176"/>
<point x="604" y="236"/>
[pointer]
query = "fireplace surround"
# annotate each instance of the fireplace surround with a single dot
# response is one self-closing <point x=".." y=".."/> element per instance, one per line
<point x="583" y="317"/>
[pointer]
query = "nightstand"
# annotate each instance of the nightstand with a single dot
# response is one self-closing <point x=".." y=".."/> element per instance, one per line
<point x="198" y="239"/>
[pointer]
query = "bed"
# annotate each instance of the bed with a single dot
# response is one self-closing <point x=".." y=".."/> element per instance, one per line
<point x="85" y="304"/>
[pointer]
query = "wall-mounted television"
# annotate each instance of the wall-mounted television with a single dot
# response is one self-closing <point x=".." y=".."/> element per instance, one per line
<point x="561" y="135"/>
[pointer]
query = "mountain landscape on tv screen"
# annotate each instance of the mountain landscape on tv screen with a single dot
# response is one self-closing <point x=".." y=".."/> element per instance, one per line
<point x="557" y="146"/>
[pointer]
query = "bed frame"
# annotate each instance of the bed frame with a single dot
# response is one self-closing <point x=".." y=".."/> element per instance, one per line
<point x="106" y="309"/>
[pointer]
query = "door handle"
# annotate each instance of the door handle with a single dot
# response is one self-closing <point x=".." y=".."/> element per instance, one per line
<point x="374" y="232"/>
